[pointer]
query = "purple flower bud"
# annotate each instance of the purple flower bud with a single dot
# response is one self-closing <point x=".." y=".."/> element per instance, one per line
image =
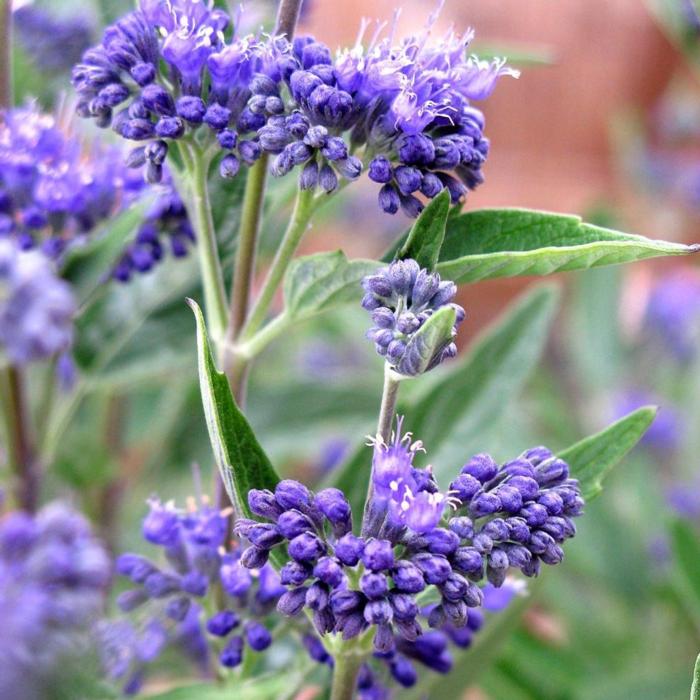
<point x="160" y="585"/>
<point x="309" y="176"/>
<point x="408" y="179"/>
<point x="407" y="577"/>
<point x="441" y="541"/>
<point x="292" y="602"/>
<point x="511" y="498"/>
<point x="465" y="487"/>
<point x="333" y="504"/>
<point x="306" y="547"/>
<point x="552" y="472"/>
<point x="195" y="583"/>
<point x="157" y="99"/>
<point x="293" y="522"/>
<point x="264" y="536"/>
<point x="374" y="585"/>
<point x="383" y="642"/>
<point x="143" y="73"/>
<point x="534" y="514"/>
<point x="350" y="168"/>
<point x="227" y="138"/>
<point x="351" y="625"/>
<point x="316" y="136"/>
<point x="295" y="574"/>
<point x="349" y="549"/>
<point x="292" y="494"/>
<point x="264" y="504"/>
<point x="378" y="555"/>
<point x="403" y="672"/>
<point x="317" y="597"/>
<point x="161" y="526"/>
<point x="170" y="128"/>
<point x="380" y="170"/>
<point x="137" y="129"/>
<point x="232" y="654"/>
<point x="327" y="179"/>
<point x="484" y="504"/>
<point x="257" y="636"/>
<point x="497" y="529"/>
<point x="462" y="527"/>
<point x="389" y="199"/>
<point x="335" y="149"/>
<point x="217" y="117"/>
<point x="518" y="556"/>
<point x="411" y="206"/>
<point x="481" y="467"/>
<point x="131" y="599"/>
<point x="191" y="109"/>
<point x="302" y="84"/>
<point x="468" y="560"/>
<point x="435" y="567"/>
<point x="177" y="608"/>
<point x="431" y="185"/>
<point x="552" y="501"/>
<point x="344" y="601"/>
<point x="254" y="557"/>
<point x="229" y="166"/>
<point x="329" y="571"/>
<point x="377" y="612"/>
<point x="222" y="623"/>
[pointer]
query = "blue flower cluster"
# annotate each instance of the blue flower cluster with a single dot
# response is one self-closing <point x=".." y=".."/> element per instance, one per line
<point x="53" y="579"/>
<point x="165" y="226"/>
<point x="509" y="517"/>
<point x="171" y="598"/>
<point x="55" y="191"/>
<point x="36" y="306"/>
<point x="401" y="298"/>
<point x="206" y="83"/>
<point x="52" y="191"/>
<point x="407" y="106"/>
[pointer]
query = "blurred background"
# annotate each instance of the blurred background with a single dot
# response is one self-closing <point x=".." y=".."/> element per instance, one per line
<point x="604" y="122"/>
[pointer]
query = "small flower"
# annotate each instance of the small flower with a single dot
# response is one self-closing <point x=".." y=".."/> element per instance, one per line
<point x="36" y="306"/>
<point x="171" y="598"/>
<point x="54" y="575"/>
<point x="401" y="298"/>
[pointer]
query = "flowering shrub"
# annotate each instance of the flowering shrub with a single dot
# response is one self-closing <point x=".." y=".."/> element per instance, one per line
<point x="384" y="570"/>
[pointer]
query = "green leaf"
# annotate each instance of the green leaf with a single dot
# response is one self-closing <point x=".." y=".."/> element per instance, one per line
<point x="490" y="243"/>
<point x="591" y="459"/>
<point x="430" y="339"/>
<point x="315" y="283"/>
<point x="89" y="265"/>
<point x="428" y="232"/>
<point x="695" y="689"/>
<point x="686" y="550"/>
<point x="469" y="398"/>
<point x="242" y="463"/>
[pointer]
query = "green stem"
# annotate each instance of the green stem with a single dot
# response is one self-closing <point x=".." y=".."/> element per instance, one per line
<point x="298" y="225"/>
<point x="245" y="254"/>
<point x="197" y="170"/>
<point x="21" y="450"/>
<point x="345" y="671"/>
<point x="6" y="97"/>
<point x="388" y="408"/>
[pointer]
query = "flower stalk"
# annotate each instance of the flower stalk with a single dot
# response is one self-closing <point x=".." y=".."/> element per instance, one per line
<point x="298" y="224"/>
<point x="345" y="672"/>
<point x="197" y="168"/>
<point x="21" y="447"/>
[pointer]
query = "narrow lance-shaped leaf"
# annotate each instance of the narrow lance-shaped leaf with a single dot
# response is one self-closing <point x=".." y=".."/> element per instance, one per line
<point x="489" y="243"/>
<point x="242" y="463"/>
<point x="591" y="459"/>
<point x="695" y="689"/>
<point x="686" y="551"/>
<point x="428" y="232"/>
<point x="315" y="283"/>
